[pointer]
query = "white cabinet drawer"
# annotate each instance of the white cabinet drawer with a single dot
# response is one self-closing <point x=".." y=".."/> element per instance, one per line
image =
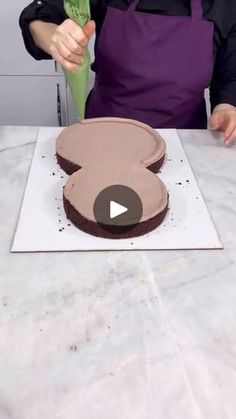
<point x="33" y="100"/>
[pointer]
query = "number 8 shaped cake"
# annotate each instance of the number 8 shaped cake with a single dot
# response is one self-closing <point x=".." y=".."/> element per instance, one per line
<point x="101" y="152"/>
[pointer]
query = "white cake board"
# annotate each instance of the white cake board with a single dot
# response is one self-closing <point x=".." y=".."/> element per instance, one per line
<point x="43" y="226"/>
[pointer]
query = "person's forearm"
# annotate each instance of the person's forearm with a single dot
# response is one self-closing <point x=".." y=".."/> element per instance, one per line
<point x="42" y="33"/>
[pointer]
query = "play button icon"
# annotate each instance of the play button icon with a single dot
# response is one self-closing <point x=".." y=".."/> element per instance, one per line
<point x="118" y="208"/>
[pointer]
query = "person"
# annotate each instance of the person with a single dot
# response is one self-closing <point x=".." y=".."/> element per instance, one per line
<point x="153" y="58"/>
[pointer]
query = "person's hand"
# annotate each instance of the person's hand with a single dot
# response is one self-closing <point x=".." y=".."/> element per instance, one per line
<point x="224" y="119"/>
<point x="69" y="43"/>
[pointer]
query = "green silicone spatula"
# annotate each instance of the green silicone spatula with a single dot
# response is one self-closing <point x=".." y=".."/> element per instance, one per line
<point x="79" y="11"/>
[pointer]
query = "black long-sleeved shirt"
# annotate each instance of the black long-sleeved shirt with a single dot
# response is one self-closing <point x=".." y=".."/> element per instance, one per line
<point x="221" y="12"/>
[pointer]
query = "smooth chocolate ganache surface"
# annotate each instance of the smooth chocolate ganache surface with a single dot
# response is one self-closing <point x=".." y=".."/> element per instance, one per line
<point x="102" y="152"/>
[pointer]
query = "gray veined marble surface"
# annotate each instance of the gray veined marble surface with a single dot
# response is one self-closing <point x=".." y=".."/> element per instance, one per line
<point x="119" y="335"/>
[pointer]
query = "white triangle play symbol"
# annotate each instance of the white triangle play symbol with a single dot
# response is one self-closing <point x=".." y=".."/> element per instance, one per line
<point x="116" y="209"/>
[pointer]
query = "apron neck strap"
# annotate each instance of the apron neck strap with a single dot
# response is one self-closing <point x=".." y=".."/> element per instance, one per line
<point x="196" y="6"/>
<point x="133" y="5"/>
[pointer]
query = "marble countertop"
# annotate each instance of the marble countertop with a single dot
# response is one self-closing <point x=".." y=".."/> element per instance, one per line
<point x="119" y="334"/>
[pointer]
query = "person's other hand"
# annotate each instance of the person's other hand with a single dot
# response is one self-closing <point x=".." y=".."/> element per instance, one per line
<point x="69" y="43"/>
<point x="223" y="119"/>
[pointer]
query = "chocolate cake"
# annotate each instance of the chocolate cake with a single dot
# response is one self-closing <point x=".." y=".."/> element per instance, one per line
<point x="101" y="152"/>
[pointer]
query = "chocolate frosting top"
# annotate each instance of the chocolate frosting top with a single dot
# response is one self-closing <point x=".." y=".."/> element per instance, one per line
<point x="122" y="140"/>
<point x="112" y="151"/>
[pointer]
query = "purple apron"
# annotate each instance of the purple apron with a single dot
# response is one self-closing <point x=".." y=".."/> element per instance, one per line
<point x="153" y="68"/>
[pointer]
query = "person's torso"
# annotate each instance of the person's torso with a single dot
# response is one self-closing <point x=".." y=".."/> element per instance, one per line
<point x="221" y="12"/>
